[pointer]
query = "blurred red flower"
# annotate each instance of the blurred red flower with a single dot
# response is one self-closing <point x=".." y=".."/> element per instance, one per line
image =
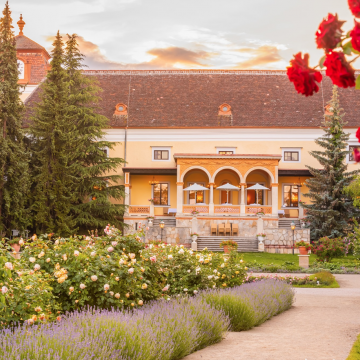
<point x="358" y="134"/>
<point x="354" y="6"/>
<point x="329" y="32"/>
<point x="339" y="70"/>
<point x="355" y="36"/>
<point x="356" y="154"/>
<point x="303" y="77"/>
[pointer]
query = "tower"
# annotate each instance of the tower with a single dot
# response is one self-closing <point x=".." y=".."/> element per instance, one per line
<point x="33" y="60"/>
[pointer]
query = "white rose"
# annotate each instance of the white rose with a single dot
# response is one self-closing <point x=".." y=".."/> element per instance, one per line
<point x="189" y="271"/>
<point x="121" y="261"/>
<point x="170" y="257"/>
<point x="181" y="251"/>
<point x="57" y="242"/>
<point x="9" y="265"/>
<point x="131" y="270"/>
<point x="117" y="278"/>
<point x="83" y="286"/>
<point x="241" y="260"/>
<point x="76" y="253"/>
<point x="117" y="295"/>
<point x="210" y="277"/>
<point x="140" y="302"/>
<point x="21" y="242"/>
<point x="106" y="287"/>
<point x="132" y="256"/>
<point x="48" y="260"/>
<point x="195" y="292"/>
<point x="114" y="243"/>
<point x="133" y="261"/>
<point x="93" y="253"/>
<point x="4" y="289"/>
<point x="37" y="267"/>
<point x="71" y="288"/>
<point x="41" y="255"/>
<point x="110" y="249"/>
<point x="111" y="293"/>
<point x="32" y="259"/>
<point x="64" y="257"/>
<point x="185" y="290"/>
<point x="93" y="277"/>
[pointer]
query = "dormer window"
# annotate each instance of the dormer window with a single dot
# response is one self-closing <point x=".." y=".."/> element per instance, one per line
<point x="120" y="109"/>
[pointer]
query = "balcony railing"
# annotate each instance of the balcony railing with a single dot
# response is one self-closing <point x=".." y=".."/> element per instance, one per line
<point x="202" y="209"/>
<point x="227" y="209"/>
<point x="254" y="209"/>
<point x="139" y="209"/>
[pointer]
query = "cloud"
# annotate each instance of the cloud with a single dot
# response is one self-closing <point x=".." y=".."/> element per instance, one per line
<point x="162" y="58"/>
<point x="260" y="57"/>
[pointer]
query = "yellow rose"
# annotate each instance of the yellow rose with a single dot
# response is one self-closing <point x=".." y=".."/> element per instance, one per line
<point x="224" y="284"/>
<point x="236" y="272"/>
<point x="144" y="286"/>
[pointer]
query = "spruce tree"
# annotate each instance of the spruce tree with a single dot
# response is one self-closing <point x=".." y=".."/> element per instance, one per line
<point x="330" y="210"/>
<point x="14" y="177"/>
<point x="51" y="131"/>
<point x="97" y="183"/>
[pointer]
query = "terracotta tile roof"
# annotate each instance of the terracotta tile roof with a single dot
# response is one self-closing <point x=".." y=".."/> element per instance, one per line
<point x="191" y="98"/>
<point x="23" y="43"/>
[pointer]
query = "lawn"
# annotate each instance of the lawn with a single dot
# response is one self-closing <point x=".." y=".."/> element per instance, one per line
<point x="279" y="259"/>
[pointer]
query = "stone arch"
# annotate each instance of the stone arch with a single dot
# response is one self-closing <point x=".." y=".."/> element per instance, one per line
<point x="260" y="168"/>
<point x="195" y="168"/>
<point x="227" y="168"/>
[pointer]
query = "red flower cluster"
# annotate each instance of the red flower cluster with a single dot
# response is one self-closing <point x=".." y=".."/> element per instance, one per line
<point x="354" y="6"/>
<point x="329" y="33"/>
<point x="339" y="70"/>
<point x="303" y="77"/>
<point x="355" y="36"/>
<point x="356" y="152"/>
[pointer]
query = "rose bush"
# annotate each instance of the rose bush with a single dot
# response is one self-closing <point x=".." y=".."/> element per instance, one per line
<point x="327" y="249"/>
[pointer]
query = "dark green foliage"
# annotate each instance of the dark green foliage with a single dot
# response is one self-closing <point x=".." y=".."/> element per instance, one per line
<point x="92" y="165"/>
<point x="51" y="133"/>
<point x="14" y="177"/>
<point x="330" y="210"/>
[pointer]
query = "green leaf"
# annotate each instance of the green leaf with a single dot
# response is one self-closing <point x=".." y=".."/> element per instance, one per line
<point x="321" y="63"/>
<point x="357" y="84"/>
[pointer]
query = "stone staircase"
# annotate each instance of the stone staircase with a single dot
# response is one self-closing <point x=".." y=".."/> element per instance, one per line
<point x="213" y="242"/>
<point x="286" y="223"/>
<point x="169" y="222"/>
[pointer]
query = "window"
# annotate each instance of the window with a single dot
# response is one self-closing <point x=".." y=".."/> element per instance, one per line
<point x="21" y="68"/>
<point x="161" y="194"/>
<point x="351" y="155"/>
<point x="225" y="152"/>
<point x="291" y="196"/>
<point x="196" y="197"/>
<point x="291" y="154"/>
<point x="161" y="154"/>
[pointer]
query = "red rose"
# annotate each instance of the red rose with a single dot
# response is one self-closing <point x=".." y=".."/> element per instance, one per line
<point x="358" y="134"/>
<point x="329" y="32"/>
<point x="355" y="36"/>
<point x="339" y="70"/>
<point x="356" y="154"/>
<point x="303" y="77"/>
<point x="354" y="6"/>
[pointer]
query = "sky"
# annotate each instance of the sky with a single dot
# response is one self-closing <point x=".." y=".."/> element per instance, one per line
<point x="182" y="34"/>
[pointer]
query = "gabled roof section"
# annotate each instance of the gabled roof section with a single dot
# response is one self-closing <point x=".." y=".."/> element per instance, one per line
<point x="24" y="43"/>
<point x="191" y="99"/>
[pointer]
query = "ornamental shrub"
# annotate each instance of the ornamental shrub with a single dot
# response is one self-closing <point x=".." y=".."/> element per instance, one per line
<point x="24" y="294"/>
<point x="329" y="248"/>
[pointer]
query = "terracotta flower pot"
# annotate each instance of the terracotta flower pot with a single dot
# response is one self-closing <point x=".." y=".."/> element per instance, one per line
<point x="302" y="250"/>
<point x="228" y="249"/>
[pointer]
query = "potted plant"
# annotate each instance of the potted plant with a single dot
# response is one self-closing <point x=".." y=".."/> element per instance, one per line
<point x="194" y="212"/>
<point x="194" y="236"/>
<point x="261" y="237"/>
<point x="303" y="247"/>
<point x="229" y="245"/>
<point x="260" y="214"/>
<point x="151" y="201"/>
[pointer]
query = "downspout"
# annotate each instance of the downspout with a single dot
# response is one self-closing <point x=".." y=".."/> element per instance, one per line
<point x="125" y="146"/>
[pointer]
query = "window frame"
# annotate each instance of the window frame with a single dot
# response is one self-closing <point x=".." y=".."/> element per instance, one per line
<point x="161" y="148"/>
<point x="283" y="196"/>
<point x="348" y="160"/>
<point x="188" y="192"/>
<point x="162" y="151"/>
<point x="152" y="193"/>
<point x="292" y="150"/>
<point x="219" y="149"/>
<point x="264" y="197"/>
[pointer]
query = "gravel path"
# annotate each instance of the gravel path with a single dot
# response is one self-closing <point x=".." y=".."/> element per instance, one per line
<point x="322" y="325"/>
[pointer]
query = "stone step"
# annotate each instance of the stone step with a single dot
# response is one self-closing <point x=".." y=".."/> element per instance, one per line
<point x="212" y="243"/>
<point x="286" y="223"/>
<point x="167" y="222"/>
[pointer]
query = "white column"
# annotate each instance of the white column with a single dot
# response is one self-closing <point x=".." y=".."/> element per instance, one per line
<point x="179" y="198"/>
<point x="127" y="191"/>
<point x="274" y="199"/>
<point x="242" y="200"/>
<point x="211" y="202"/>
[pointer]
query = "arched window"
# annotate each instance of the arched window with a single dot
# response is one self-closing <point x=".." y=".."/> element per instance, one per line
<point x="21" y="68"/>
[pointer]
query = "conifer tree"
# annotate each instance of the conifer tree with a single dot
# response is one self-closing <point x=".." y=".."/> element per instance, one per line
<point x="14" y="177"/>
<point x="51" y="132"/>
<point x="97" y="183"/>
<point x="330" y="210"/>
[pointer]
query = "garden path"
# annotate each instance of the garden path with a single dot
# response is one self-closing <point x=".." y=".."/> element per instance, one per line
<point x="322" y="325"/>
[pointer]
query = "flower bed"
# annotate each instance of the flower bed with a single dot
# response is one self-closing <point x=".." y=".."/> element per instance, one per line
<point x="166" y="330"/>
